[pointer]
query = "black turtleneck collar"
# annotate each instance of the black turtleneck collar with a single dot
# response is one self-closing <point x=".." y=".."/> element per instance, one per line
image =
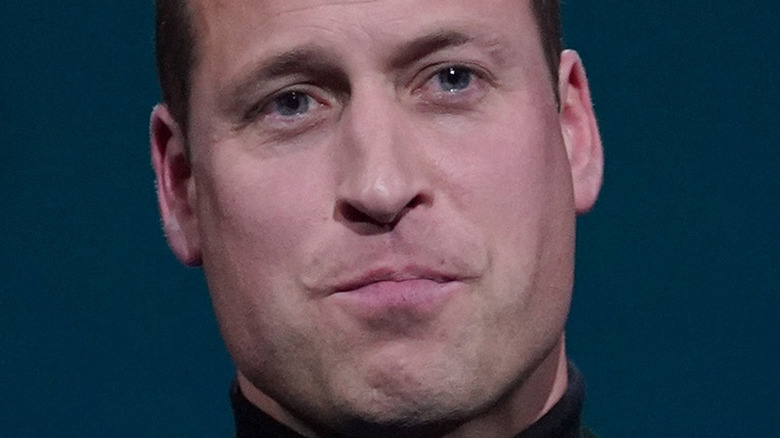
<point x="562" y="421"/>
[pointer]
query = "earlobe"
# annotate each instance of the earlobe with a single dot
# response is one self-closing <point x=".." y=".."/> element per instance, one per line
<point x="176" y="195"/>
<point x="580" y="131"/>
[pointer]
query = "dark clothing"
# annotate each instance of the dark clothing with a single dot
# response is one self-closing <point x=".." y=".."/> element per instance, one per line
<point x="562" y="421"/>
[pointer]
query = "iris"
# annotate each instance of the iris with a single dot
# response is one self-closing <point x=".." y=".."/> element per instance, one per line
<point x="291" y="103"/>
<point x="455" y="78"/>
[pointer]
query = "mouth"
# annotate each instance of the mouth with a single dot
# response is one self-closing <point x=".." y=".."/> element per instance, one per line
<point x="376" y="278"/>
<point x="411" y="294"/>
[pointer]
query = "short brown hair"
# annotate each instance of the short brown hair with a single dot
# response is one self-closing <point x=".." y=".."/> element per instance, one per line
<point x="548" y="20"/>
<point x="175" y="45"/>
<point x="176" y="56"/>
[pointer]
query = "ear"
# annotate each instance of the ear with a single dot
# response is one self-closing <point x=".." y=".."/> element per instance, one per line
<point x="176" y="195"/>
<point x="580" y="131"/>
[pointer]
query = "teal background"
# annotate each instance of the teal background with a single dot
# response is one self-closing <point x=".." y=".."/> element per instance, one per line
<point x="675" y="314"/>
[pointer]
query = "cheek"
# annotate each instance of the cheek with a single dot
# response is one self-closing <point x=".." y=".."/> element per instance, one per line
<point x="509" y="172"/>
<point x="511" y="179"/>
<point x="261" y="207"/>
<point x="255" y="217"/>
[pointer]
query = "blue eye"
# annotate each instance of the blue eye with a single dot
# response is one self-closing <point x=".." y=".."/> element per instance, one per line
<point x="291" y="103"/>
<point x="455" y="78"/>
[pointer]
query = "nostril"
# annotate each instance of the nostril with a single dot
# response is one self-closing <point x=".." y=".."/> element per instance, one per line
<point x="385" y="220"/>
<point x="350" y="213"/>
<point x="415" y="202"/>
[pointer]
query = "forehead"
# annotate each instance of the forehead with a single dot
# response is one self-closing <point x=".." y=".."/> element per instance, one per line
<point x="268" y="10"/>
<point x="242" y="26"/>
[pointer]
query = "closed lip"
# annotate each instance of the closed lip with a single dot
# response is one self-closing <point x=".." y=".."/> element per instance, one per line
<point x="386" y="274"/>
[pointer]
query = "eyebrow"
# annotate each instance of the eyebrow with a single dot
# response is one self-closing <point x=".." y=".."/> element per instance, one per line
<point x="307" y="60"/>
<point x="446" y="38"/>
<point x="425" y="45"/>
<point x="313" y="61"/>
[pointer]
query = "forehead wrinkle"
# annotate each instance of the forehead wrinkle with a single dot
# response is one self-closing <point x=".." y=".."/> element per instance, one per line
<point x="330" y="4"/>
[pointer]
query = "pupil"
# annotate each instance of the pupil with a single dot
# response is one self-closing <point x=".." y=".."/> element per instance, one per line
<point x="455" y="78"/>
<point x="292" y="103"/>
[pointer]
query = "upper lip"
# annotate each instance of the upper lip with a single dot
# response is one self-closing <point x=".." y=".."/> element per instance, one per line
<point x="390" y="274"/>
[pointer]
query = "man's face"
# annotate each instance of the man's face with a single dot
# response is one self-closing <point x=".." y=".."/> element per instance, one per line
<point x="382" y="200"/>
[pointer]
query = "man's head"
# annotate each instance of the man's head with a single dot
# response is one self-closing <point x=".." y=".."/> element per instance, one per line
<point x="176" y="48"/>
<point x="383" y="196"/>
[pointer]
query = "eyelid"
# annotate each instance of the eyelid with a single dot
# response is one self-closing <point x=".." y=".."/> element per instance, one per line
<point x="431" y="71"/>
<point x="442" y="100"/>
<point x="262" y="120"/>
<point x="260" y="107"/>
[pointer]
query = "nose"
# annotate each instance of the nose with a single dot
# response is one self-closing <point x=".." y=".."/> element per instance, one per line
<point x="381" y="166"/>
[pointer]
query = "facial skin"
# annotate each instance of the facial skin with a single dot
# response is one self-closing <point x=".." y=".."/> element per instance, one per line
<point x="383" y="196"/>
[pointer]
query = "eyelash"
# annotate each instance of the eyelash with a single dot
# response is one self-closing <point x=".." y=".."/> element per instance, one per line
<point x="453" y="98"/>
<point x="265" y="107"/>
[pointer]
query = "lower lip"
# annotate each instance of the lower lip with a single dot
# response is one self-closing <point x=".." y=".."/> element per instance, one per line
<point x="417" y="299"/>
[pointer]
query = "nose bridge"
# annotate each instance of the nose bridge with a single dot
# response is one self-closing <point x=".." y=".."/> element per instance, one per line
<point x="374" y="139"/>
<point x="380" y="173"/>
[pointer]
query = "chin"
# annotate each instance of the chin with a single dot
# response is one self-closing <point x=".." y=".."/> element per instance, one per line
<point x="411" y="411"/>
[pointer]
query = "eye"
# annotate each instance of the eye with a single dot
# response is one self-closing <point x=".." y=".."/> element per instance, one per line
<point x="453" y="87"/>
<point x="288" y="107"/>
<point x="455" y="78"/>
<point x="290" y="111"/>
<point x="290" y="103"/>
